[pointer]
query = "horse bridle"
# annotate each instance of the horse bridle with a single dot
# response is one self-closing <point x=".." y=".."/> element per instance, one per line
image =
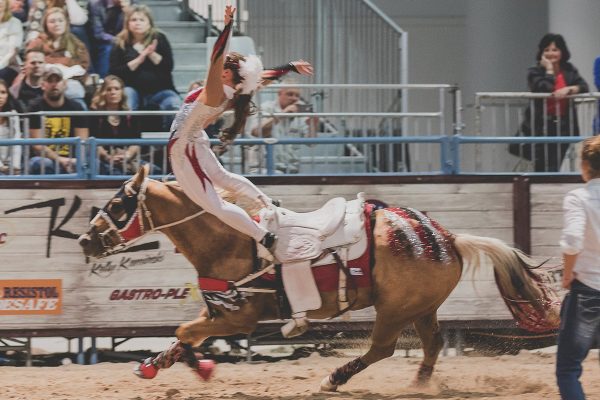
<point x="133" y="228"/>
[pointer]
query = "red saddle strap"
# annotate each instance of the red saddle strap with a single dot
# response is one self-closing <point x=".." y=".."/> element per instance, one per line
<point x="214" y="285"/>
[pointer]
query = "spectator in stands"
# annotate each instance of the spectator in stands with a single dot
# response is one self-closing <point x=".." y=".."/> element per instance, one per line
<point x="287" y="157"/>
<point x="27" y="87"/>
<point x="114" y="160"/>
<point x="62" y="47"/>
<point x="554" y="74"/>
<point x="55" y="159"/>
<point x="142" y="57"/>
<point x="11" y="37"/>
<point x="77" y="18"/>
<point x="580" y="313"/>
<point x="106" y="21"/>
<point x="10" y="156"/>
<point x="19" y="9"/>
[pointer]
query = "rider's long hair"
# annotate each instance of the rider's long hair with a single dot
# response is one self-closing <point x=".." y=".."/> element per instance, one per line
<point x="241" y="103"/>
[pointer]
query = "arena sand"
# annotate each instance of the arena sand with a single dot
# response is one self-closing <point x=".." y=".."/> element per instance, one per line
<point x="529" y="375"/>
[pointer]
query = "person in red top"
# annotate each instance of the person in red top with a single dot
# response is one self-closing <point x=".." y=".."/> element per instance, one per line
<point x="555" y="116"/>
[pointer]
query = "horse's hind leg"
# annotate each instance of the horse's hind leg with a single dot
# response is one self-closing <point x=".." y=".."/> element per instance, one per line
<point x="428" y="329"/>
<point x="383" y="343"/>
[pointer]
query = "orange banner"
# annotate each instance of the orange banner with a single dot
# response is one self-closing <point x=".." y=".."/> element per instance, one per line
<point x="30" y="296"/>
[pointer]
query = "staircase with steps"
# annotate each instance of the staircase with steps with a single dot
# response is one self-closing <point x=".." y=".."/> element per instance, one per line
<point x="187" y="36"/>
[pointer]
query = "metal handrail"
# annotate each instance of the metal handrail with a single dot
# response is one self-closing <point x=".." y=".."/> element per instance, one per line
<point x="531" y="95"/>
<point x="449" y="154"/>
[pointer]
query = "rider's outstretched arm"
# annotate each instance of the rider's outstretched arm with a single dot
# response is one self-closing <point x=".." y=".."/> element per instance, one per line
<point x="301" y="67"/>
<point x="214" y="85"/>
<point x="274" y="73"/>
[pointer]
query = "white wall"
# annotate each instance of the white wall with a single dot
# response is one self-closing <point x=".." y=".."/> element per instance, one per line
<point x="481" y="45"/>
<point x="436" y="38"/>
<point x="577" y="21"/>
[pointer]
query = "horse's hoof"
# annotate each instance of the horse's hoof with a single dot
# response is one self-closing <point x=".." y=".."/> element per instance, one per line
<point x="327" y="386"/>
<point x="205" y="369"/>
<point x="145" y="369"/>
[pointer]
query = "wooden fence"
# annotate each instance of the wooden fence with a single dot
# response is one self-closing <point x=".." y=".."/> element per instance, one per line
<point x="48" y="288"/>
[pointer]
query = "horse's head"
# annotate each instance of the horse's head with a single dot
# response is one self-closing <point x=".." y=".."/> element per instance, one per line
<point x="121" y="221"/>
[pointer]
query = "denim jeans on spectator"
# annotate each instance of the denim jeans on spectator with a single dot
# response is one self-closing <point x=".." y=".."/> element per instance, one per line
<point x="101" y="57"/>
<point x="579" y="327"/>
<point x="43" y="165"/>
<point x="163" y="100"/>
<point x="81" y="32"/>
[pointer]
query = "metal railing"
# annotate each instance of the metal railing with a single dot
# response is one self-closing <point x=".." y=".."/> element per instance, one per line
<point x="448" y="151"/>
<point x="338" y="123"/>
<point x="342" y="143"/>
<point x="523" y="115"/>
<point x="346" y="120"/>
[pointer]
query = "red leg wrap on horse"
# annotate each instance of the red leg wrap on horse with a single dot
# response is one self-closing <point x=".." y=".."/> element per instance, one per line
<point x="344" y="373"/>
<point x="169" y="356"/>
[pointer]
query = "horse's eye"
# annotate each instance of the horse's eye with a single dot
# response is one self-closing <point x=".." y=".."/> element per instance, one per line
<point x="116" y="208"/>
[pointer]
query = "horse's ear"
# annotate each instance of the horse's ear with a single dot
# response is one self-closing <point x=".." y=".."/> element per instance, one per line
<point x="140" y="176"/>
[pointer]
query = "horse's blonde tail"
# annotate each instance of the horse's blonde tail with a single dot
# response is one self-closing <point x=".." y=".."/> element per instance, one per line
<point x="511" y="265"/>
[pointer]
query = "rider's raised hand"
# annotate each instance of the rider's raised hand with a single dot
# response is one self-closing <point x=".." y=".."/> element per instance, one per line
<point x="229" y="11"/>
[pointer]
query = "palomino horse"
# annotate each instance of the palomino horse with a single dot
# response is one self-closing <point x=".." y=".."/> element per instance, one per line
<point x="406" y="287"/>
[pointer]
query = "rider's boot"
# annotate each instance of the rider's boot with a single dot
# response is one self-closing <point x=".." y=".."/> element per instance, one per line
<point x="146" y="369"/>
<point x="266" y="246"/>
<point x="296" y="326"/>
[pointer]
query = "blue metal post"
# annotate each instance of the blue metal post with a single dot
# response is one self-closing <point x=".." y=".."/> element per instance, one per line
<point x="92" y="158"/>
<point x="445" y="160"/>
<point x="94" y="353"/>
<point x="455" y="153"/>
<point x="270" y="161"/>
<point x="80" y="355"/>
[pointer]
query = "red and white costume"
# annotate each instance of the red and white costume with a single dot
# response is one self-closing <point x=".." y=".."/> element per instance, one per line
<point x="195" y="165"/>
<point x="198" y="171"/>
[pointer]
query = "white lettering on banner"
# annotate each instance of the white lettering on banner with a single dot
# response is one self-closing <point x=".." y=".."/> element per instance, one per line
<point x="29" y="305"/>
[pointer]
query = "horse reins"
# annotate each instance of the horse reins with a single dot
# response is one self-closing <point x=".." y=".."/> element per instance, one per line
<point x="141" y="209"/>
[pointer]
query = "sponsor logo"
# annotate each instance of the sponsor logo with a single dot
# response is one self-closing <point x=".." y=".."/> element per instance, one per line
<point x="107" y="268"/>
<point x="149" y="294"/>
<point x="30" y="296"/>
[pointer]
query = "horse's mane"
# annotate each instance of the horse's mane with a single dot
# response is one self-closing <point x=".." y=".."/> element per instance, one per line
<point x="248" y="205"/>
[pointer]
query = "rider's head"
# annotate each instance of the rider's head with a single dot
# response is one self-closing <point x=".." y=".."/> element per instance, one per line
<point x="243" y="73"/>
<point x="231" y="69"/>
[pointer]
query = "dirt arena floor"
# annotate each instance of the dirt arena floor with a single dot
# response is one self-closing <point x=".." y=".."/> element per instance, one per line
<point x="529" y="375"/>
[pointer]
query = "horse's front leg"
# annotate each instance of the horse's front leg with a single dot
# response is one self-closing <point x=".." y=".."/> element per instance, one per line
<point x="190" y="334"/>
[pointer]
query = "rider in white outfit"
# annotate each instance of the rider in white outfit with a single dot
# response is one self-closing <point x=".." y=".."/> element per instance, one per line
<point x="231" y="82"/>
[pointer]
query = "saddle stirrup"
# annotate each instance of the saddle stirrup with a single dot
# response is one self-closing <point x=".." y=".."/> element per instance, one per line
<point x="296" y="326"/>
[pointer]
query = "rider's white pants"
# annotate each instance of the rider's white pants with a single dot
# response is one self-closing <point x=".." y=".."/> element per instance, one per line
<point x="198" y="172"/>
